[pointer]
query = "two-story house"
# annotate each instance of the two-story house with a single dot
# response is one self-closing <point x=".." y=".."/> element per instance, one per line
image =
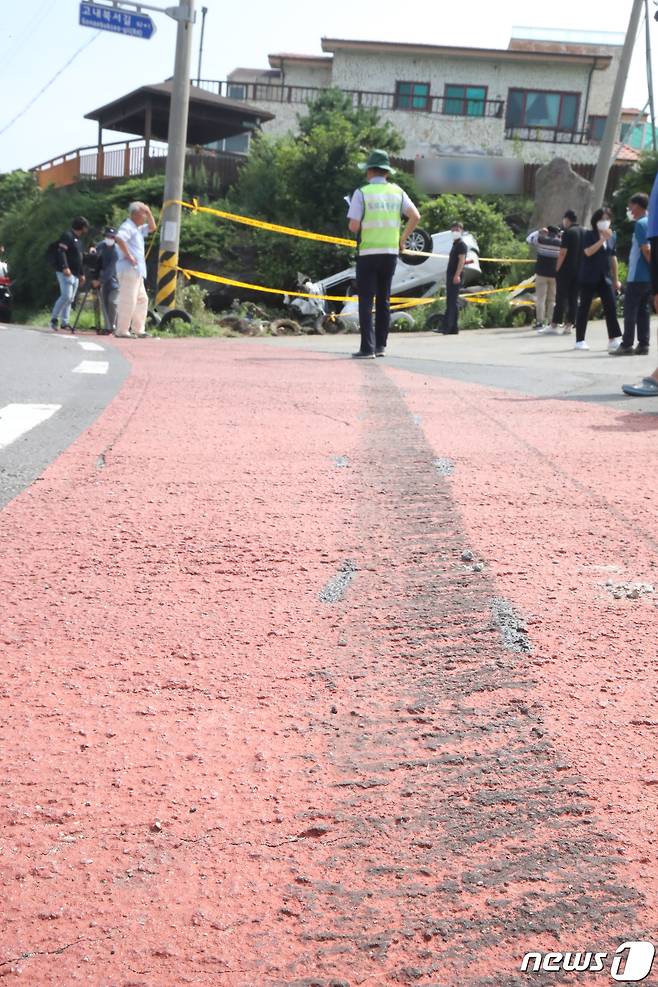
<point x="548" y="93"/>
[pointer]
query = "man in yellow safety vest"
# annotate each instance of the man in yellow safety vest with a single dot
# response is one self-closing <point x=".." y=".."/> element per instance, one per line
<point x="375" y="214"/>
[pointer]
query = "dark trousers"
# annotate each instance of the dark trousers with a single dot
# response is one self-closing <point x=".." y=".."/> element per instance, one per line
<point x="653" y="244"/>
<point x="450" y="319"/>
<point x="636" y="313"/>
<point x="602" y="289"/>
<point x="566" y="301"/>
<point x="374" y="274"/>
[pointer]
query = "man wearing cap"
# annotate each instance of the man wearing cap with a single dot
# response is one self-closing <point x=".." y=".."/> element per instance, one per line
<point x="375" y="214"/>
<point x="105" y="277"/>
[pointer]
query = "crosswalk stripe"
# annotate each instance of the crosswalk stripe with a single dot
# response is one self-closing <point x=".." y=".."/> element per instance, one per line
<point x="91" y="367"/>
<point x="91" y="347"/>
<point x="17" y="419"/>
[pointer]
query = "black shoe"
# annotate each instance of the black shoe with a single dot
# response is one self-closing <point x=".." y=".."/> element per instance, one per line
<point x="363" y="356"/>
<point x="641" y="350"/>
<point x="623" y="351"/>
<point x="67" y="328"/>
<point x="449" y="332"/>
<point x="380" y="352"/>
<point x="54" y="325"/>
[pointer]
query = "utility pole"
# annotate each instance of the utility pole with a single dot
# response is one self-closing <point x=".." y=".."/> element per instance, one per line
<point x="177" y="140"/>
<point x="204" y="11"/>
<point x="650" y="74"/>
<point x="611" y="132"/>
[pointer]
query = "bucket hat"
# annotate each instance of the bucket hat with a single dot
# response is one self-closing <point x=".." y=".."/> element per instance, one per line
<point x="378" y="159"/>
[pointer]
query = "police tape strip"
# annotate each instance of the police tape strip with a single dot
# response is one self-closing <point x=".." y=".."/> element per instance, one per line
<point x="398" y="301"/>
<point x="260" y="224"/>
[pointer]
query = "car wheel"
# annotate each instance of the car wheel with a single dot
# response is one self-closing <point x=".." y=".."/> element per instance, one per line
<point x="420" y="241"/>
<point x="434" y="322"/>
<point x="402" y="322"/>
<point x="174" y="313"/>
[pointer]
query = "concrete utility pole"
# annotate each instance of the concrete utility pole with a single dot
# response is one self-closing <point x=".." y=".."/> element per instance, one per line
<point x="177" y="140"/>
<point x="611" y="132"/>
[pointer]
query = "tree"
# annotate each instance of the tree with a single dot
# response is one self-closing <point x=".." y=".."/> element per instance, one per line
<point x="488" y="226"/>
<point x="301" y="181"/>
<point x="16" y="188"/>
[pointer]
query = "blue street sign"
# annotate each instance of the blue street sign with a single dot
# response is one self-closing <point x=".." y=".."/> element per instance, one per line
<point x="112" y="19"/>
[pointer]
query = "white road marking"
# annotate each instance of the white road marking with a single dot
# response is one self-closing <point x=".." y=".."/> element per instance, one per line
<point x="92" y="367"/>
<point x="91" y="347"/>
<point x="16" y="419"/>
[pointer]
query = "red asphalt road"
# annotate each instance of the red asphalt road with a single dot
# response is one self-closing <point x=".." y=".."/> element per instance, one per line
<point x="212" y="776"/>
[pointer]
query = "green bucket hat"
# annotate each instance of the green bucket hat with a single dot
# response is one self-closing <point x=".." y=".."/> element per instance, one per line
<point x="378" y="159"/>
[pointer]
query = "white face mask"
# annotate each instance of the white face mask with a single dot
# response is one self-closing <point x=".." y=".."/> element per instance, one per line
<point x="629" y="216"/>
<point x="603" y="224"/>
<point x="456" y="235"/>
<point x="109" y="241"/>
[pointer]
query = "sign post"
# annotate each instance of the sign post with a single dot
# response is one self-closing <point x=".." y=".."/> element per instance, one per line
<point x="114" y="15"/>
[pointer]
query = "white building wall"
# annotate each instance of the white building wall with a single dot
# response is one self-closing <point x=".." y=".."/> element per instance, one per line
<point x="306" y="74"/>
<point x="432" y="133"/>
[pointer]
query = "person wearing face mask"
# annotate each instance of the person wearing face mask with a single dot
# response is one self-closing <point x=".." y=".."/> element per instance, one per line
<point x="454" y="281"/>
<point x="105" y="277"/>
<point x="638" y="284"/>
<point x="547" y="243"/>
<point x="599" y="277"/>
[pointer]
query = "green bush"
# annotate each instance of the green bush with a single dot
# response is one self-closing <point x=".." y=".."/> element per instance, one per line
<point x="486" y="223"/>
<point x="471" y="317"/>
<point x="497" y="312"/>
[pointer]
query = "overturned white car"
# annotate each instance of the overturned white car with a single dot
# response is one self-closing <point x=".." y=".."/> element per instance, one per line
<point x="415" y="277"/>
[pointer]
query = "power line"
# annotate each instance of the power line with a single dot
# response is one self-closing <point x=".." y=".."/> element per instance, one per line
<point x="26" y="34"/>
<point x="49" y="84"/>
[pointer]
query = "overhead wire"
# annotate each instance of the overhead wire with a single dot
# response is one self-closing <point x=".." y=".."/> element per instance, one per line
<point x="25" y="35"/>
<point x="49" y="83"/>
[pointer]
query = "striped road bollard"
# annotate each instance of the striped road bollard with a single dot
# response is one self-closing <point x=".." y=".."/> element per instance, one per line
<point x="165" y="297"/>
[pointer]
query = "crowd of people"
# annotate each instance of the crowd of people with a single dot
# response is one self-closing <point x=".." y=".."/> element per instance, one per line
<point x="574" y="266"/>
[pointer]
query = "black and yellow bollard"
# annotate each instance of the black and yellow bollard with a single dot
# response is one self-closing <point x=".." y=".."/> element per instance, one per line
<point x="165" y="297"/>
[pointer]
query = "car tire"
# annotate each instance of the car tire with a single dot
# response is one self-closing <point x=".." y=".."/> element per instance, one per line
<point x="421" y="241"/>
<point x="174" y="313"/>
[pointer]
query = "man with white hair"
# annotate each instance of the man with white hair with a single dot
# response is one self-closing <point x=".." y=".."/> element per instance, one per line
<point x="132" y="303"/>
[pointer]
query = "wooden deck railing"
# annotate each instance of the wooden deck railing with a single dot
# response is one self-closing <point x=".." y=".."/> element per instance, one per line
<point x="126" y="159"/>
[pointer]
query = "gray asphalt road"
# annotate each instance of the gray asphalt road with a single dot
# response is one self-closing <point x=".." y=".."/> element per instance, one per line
<point x="542" y="367"/>
<point x="38" y="368"/>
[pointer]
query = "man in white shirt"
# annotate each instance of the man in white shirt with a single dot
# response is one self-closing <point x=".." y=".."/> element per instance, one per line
<point x="132" y="303"/>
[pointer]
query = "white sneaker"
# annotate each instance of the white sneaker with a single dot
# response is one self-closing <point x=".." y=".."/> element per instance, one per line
<point x="581" y="346"/>
<point x="566" y="330"/>
<point x="614" y="344"/>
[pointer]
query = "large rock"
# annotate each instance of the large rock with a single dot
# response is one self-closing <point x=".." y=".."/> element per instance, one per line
<point x="558" y="188"/>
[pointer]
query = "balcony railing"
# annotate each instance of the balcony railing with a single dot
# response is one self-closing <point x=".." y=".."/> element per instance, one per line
<point x="547" y="135"/>
<point x="125" y="159"/>
<point x="262" y="92"/>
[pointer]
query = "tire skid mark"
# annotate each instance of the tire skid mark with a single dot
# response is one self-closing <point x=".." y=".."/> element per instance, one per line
<point x="468" y="838"/>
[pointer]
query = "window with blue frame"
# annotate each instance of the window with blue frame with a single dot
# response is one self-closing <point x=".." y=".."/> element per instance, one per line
<point x="465" y="101"/>
<point x="542" y="108"/>
<point x="412" y="96"/>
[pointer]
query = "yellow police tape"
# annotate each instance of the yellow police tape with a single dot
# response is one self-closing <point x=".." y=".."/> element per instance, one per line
<point x="398" y="301"/>
<point x="260" y="224"/>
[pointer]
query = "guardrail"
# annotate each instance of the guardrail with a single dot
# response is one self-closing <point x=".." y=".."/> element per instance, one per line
<point x="127" y="159"/>
<point x="547" y="135"/>
<point x="262" y="92"/>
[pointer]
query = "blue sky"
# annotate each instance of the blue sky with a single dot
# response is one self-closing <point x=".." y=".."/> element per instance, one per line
<point x="39" y="36"/>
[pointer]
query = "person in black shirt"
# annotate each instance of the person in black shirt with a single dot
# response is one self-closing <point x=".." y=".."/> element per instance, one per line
<point x="599" y="276"/>
<point x="69" y="271"/>
<point x="568" y="268"/>
<point x="454" y="281"/>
